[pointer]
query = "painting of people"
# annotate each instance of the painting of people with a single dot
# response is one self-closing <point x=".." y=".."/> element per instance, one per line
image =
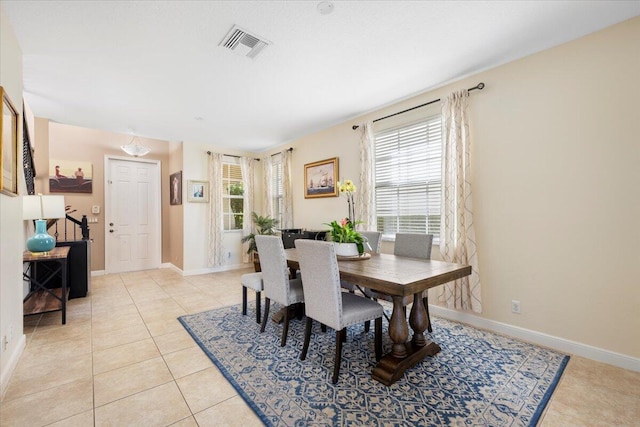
<point x="67" y="176"/>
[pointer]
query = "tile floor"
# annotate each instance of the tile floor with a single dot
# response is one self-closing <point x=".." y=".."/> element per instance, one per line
<point x="123" y="359"/>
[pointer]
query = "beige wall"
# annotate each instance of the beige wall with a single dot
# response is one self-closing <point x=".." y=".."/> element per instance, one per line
<point x="556" y="157"/>
<point x="176" y="212"/>
<point x="12" y="227"/>
<point x="67" y="142"/>
<point x="196" y="240"/>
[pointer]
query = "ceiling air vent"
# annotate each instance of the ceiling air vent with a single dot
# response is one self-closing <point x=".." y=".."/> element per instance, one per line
<point x="243" y="43"/>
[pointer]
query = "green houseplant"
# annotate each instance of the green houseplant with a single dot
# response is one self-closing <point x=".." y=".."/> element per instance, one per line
<point x="344" y="232"/>
<point x="264" y="225"/>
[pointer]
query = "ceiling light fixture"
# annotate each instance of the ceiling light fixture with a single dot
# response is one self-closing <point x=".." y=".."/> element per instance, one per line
<point x="325" y="7"/>
<point x="134" y="148"/>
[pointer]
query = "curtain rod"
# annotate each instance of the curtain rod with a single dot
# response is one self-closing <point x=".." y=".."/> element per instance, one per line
<point x="237" y="157"/>
<point x="479" y="86"/>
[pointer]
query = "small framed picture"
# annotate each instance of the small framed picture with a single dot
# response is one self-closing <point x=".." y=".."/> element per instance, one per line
<point x="320" y="178"/>
<point x="175" y="188"/>
<point x="198" y="191"/>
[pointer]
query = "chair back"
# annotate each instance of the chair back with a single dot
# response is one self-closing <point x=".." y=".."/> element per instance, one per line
<point x="275" y="273"/>
<point x="374" y="238"/>
<point x="414" y="245"/>
<point x="320" y="281"/>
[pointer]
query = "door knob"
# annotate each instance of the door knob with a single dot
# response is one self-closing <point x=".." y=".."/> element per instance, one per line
<point x="110" y="231"/>
<point x="110" y="224"/>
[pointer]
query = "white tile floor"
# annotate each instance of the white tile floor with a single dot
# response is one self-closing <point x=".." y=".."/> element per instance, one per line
<point x="124" y="359"/>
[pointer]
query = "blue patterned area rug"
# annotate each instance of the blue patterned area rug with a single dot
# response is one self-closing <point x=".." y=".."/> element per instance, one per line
<point x="479" y="378"/>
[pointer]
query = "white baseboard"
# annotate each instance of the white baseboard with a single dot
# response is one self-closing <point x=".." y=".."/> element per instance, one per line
<point x="560" y="344"/>
<point x="98" y="273"/>
<point x="172" y="267"/>
<point x="11" y="365"/>
<point x="216" y="269"/>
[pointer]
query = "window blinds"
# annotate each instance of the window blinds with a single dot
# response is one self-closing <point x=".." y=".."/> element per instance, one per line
<point x="408" y="169"/>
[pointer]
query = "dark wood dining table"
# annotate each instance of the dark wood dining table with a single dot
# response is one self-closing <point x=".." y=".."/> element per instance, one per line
<point x="399" y="277"/>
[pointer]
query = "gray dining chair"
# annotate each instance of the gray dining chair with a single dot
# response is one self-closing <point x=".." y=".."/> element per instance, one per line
<point x="414" y="245"/>
<point x="374" y="239"/>
<point x="276" y="282"/>
<point x="252" y="281"/>
<point x="327" y="304"/>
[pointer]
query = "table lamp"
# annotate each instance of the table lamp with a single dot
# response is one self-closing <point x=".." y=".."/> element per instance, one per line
<point x="40" y="208"/>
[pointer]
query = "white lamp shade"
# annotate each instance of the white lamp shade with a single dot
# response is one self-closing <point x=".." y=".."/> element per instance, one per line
<point x="43" y="207"/>
<point x="31" y="208"/>
<point x="53" y="207"/>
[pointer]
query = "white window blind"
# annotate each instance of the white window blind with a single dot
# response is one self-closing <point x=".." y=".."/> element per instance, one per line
<point x="232" y="197"/>
<point x="408" y="169"/>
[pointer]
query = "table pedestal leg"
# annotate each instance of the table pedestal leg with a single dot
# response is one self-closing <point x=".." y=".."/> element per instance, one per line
<point x="405" y="354"/>
<point x="418" y="320"/>
<point x="398" y="330"/>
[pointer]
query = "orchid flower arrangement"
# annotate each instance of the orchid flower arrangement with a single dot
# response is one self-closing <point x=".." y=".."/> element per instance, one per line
<point x="348" y="188"/>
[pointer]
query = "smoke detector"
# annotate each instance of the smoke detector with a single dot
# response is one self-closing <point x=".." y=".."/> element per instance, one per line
<point x="325" y="7"/>
<point x="244" y="43"/>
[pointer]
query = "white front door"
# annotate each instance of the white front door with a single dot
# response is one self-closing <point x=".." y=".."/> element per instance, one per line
<point x="132" y="215"/>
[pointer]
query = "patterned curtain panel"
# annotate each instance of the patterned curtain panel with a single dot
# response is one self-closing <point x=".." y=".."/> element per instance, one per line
<point x="247" y="167"/>
<point x="267" y="185"/>
<point x="287" y="191"/>
<point x="457" y="235"/>
<point x="216" y="230"/>
<point x="366" y="195"/>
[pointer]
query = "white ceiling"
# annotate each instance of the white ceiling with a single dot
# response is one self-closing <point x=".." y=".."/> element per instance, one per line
<point x="155" y="67"/>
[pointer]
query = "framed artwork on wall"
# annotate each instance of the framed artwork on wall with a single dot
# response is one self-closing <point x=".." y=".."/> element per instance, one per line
<point x="8" y="146"/>
<point x="70" y="176"/>
<point x="175" y="188"/>
<point x="198" y="191"/>
<point x="320" y="178"/>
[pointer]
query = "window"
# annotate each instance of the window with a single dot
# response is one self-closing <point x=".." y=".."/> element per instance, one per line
<point x="408" y="168"/>
<point x="232" y="197"/>
<point x="276" y="184"/>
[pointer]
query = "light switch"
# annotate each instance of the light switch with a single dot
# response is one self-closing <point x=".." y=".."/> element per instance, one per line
<point x="95" y="209"/>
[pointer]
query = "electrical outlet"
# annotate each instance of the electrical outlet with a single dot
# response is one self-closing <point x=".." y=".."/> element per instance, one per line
<point x="515" y="306"/>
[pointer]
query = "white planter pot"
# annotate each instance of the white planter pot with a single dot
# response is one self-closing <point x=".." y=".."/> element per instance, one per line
<point x="346" y="249"/>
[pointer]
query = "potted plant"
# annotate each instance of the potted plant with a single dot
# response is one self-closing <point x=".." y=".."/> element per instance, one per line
<point x="347" y="240"/>
<point x="264" y="225"/>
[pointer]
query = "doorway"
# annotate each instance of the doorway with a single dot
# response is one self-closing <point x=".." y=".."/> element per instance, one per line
<point x="133" y="240"/>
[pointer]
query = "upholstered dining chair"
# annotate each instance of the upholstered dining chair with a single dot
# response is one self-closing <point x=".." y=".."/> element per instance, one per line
<point x="414" y="245"/>
<point x="276" y="282"/>
<point x="252" y="281"/>
<point x="374" y="238"/>
<point x="327" y="304"/>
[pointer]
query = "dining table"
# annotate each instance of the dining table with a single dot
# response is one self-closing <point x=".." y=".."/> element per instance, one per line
<point x="398" y="277"/>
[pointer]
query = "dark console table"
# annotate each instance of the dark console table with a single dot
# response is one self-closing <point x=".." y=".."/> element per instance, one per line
<point x="78" y="269"/>
<point x="43" y="267"/>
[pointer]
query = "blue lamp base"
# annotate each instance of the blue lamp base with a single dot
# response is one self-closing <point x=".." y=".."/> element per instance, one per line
<point x="41" y="241"/>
